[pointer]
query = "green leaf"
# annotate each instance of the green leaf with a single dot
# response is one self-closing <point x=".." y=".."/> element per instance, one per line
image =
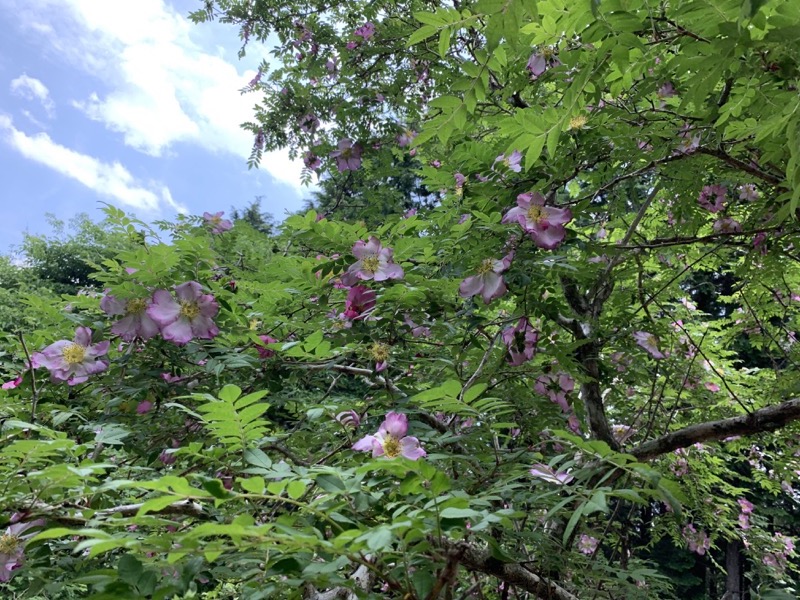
<point x="129" y="568"/>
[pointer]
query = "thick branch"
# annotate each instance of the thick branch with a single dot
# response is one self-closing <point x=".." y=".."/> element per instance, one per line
<point x="765" y="419"/>
<point x="477" y="559"/>
<point x="181" y="507"/>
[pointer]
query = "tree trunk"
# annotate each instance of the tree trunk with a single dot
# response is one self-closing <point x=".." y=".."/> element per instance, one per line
<point x="734" y="566"/>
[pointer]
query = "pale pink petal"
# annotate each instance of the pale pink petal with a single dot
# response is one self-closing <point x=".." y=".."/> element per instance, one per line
<point x="364" y="444"/>
<point x="410" y="448"/>
<point x="493" y="287"/>
<point x="395" y="425"/>
<point x="471" y="286"/>
<point x="83" y="336"/>
<point x="98" y="349"/>
<point x="389" y="271"/>
<point x="164" y="309"/>
<point x="204" y="328"/>
<point x="191" y="291"/>
<point x="126" y="328"/>
<point x="547" y="237"/>
<point x="111" y="305"/>
<point x="558" y="216"/>
<point x="208" y="306"/>
<point x="179" y="332"/>
<point x="515" y="215"/>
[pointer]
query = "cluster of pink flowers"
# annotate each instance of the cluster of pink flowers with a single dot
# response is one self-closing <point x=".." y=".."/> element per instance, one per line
<point x="746" y="509"/>
<point x="556" y="386"/>
<point x="698" y="540"/>
<point x="520" y="342"/>
<point x="488" y="282"/>
<point x="179" y="319"/>
<point x="779" y="558"/>
<point x="544" y="224"/>
<point x="73" y="361"/>
<point x="217" y="223"/>
<point x="391" y="440"/>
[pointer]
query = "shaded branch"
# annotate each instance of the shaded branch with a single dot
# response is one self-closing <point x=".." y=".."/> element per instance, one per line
<point x="759" y="421"/>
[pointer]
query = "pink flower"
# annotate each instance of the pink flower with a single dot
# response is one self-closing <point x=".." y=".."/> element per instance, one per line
<point x="650" y="343"/>
<point x="409" y="213"/>
<point x="587" y="544"/>
<point x="689" y="143"/>
<point x="359" y="303"/>
<point x="265" y="353"/>
<point x="512" y="162"/>
<point x="12" y="547"/>
<point x="545" y="473"/>
<point x="667" y="90"/>
<point x="311" y="161"/>
<point x="366" y="31"/>
<point x="14" y="383"/>
<point x="538" y="63"/>
<point x="135" y="323"/>
<point x="309" y="123"/>
<point x="188" y="317"/>
<point x="217" y="223"/>
<point x="460" y="180"/>
<point x="760" y="242"/>
<point x="351" y="45"/>
<point x="521" y="342"/>
<point x="545" y="224"/>
<point x="489" y="282"/>
<point x="718" y="192"/>
<point x="349" y="419"/>
<point x="74" y="361"/>
<point x="167" y="457"/>
<point x="698" y="541"/>
<point x="144" y="407"/>
<point x="374" y="262"/>
<point x="556" y="386"/>
<point x="391" y="440"/>
<point x="405" y="138"/>
<point x="170" y="378"/>
<point x="348" y="156"/>
<point x="727" y="225"/>
<point x="745" y="505"/>
<point x="749" y="192"/>
<point x="711" y="386"/>
<point x="417" y="330"/>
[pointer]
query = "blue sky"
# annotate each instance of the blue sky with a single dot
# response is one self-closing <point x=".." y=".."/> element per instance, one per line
<point x="127" y="103"/>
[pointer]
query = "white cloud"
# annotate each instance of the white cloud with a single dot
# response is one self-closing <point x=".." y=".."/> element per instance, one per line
<point x="161" y="88"/>
<point x="111" y="180"/>
<point x="31" y="88"/>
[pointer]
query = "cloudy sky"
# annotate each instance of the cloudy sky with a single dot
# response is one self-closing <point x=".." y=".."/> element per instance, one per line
<point x="127" y="103"/>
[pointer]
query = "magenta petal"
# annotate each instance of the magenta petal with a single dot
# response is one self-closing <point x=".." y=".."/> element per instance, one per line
<point x="395" y="424"/>
<point x="164" y="310"/>
<point x="410" y="448"/>
<point x="98" y="349"/>
<point x="558" y="216"/>
<point x="179" y="332"/>
<point x="83" y="336"/>
<point x="513" y="215"/>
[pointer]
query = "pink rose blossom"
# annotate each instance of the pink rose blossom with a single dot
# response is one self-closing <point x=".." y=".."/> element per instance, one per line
<point x="188" y="317"/>
<point x="587" y="544"/>
<point x="216" y="222"/>
<point x="650" y="343"/>
<point x="265" y="353"/>
<point x="545" y="224"/>
<point x="12" y="547"/>
<point x="556" y="386"/>
<point x="521" y="342"/>
<point x="405" y="138"/>
<point x="366" y="31"/>
<point x="698" y="541"/>
<point x="308" y="123"/>
<point x="391" y="440"/>
<point x="539" y="62"/>
<point x="144" y="407"/>
<point x="488" y="282"/>
<point x="727" y="225"/>
<point x="311" y="161"/>
<point x="512" y="162"/>
<point x="374" y="262"/>
<point x="359" y="303"/>
<point x="74" y="361"/>
<point x="348" y="155"/>
<point x="136" y="323"/>
<point x="749" y="192"/>
<point x="718" y="193"/>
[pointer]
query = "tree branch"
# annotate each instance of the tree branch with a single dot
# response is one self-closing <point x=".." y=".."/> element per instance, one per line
<point x="759" y="421"/>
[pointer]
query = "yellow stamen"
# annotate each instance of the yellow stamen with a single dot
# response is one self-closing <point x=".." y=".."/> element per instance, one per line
<point x="136" y="306"/>
<point x="486" y="266"/>
<point x="189" y="310"/>
<point x="371" y="264"/>
<point x="379" y="352"/>
<point x="391" y="447"/>
<point x="536" y="213"/>
<point x="74" y="354"/>
<point x="578" y="122"/>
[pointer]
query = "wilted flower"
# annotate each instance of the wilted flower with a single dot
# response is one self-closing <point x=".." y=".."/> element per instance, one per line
<point x="545" y="473"/>
<point x="405" y="138"/>
<point x="539" y="62"/>
<point x="488" y="282"/>
<point x="417" y="330"/>
<point x="587" y="544"/>
<point x="520" y="341"/>
<point x="667" y="90"/>
<point x="359" y="303"/>
<point x="512" y="162"/>
<point x="366" y="31"/>
<point x="374" y="262"/>
<point x="311" y="160"/>
<point x="650" y="343"/>
<point x="265" y="353"/>
<point x="545" y="224"/>
<point x="391" y="440"/>
<point x="12" y="547"/>
<point x="348" y="156"/>
<point x="144" y="407"/>
<point x="187" y="318"/>
<point x="698" y="540"/>
<point x="727" y="225"/>
<point x="309" y="123"/>
<point x="74" y="361"/>
<point x="349" y="419"/>
<point x="217" y="223"/>
<point x="380" y="354"/>
<point x="135" y="323"/>
<point x="14" y="383"/>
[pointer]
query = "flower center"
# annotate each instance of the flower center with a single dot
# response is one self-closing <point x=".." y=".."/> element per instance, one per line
<point x="391" y="446"/>
<point x="189" y="310"/>
<point x="9" y="543"/>
<point x="547" y="53"/>
<point x="371" y="264"/>
<point x="486" y="266"/>
<point x="379" y="352"/>
<point x="536" y="213"/>
<point x="74" y="354"/>
<point x="577" y="122"/>
<point x="136" y="306"/>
